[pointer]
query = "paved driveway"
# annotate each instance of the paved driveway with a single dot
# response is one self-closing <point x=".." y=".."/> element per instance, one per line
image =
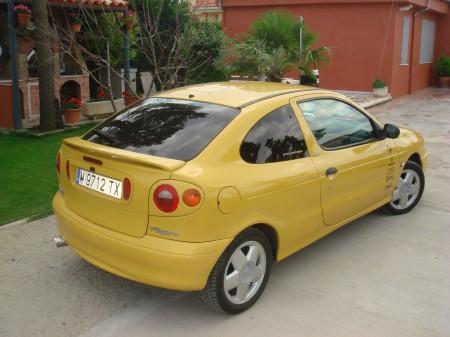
<point x="379" y="276"/>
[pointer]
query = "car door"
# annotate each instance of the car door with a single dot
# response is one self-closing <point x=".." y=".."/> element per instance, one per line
<point x="356" y="165"/>
<point x="279" y="181"/>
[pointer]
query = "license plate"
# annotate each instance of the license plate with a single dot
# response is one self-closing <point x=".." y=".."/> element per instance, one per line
<point x="99" y="183"/>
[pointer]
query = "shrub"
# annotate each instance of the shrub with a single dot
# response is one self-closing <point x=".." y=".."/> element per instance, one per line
<point x="271" y="47"/>
<point x="443" y="66"/>
<point x="205" y="51"/>
<point x="378" y="84"/>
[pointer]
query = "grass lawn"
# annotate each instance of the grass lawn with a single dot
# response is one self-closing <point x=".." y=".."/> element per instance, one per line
<point x="28" y="174"/>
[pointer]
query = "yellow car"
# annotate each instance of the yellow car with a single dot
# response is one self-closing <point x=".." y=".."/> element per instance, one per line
<point x="201" y="188"/>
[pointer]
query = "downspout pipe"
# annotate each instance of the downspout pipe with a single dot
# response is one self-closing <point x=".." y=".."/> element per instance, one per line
<point x="411" y="52"/>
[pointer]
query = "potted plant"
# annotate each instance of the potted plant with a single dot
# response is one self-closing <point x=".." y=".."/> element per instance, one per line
<point x="380" y="88"/>
<point x="130" y="19"/>
<point x="75" y="22"/>
<point x="72" y="110"/>
<point x="101" y="106"/>
<point x="130" y="98"/>
<point x="443" y="71"/>
<point x="23" y="15"/>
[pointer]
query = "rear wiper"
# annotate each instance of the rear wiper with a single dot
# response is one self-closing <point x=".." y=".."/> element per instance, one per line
<point x="104" y="136"/>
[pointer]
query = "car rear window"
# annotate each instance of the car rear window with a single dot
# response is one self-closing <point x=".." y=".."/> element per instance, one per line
<point x="169" y="128"/>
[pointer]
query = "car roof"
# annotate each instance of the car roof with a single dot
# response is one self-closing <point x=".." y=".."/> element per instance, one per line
<point x="237" y="94"/>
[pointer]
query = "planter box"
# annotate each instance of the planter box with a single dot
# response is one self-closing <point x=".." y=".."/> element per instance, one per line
<point x="380" y="92"/>
<point x="444" y="81"/>
<point x="102" y="109"/>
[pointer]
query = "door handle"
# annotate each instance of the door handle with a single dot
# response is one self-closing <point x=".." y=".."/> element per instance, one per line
<point x="331" y="171"/>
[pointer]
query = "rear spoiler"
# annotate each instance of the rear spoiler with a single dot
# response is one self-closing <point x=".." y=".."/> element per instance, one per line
<point x="165" y="164"/>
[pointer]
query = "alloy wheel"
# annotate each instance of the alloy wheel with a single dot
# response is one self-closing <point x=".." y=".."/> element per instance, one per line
<point x="245" y="272"/>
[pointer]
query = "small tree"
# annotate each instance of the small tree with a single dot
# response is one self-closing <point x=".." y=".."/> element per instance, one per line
<point x="176" y="47"/>
<point x="103" y="31"/>
<point x="206" y="46"/>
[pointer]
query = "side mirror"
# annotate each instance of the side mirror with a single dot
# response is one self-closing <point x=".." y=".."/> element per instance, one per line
<point x="391" y="131"/>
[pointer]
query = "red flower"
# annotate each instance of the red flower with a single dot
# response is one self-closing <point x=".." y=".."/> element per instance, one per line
<point x="101" y="94"/>
<point x="22" y="9"/>
<point x="71" y="103"/>
<point x="74" y="100"/>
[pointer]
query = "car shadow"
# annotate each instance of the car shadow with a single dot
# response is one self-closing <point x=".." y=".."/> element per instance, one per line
<point x="299" y="276"/>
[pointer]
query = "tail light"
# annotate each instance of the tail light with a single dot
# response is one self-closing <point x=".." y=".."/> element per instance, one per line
<point x="166" y="198"/>
<point x="192" y="197"/>
<point x="126" y="188"/>
<point x="58" y="163"/>
<point x="68" y="169"/>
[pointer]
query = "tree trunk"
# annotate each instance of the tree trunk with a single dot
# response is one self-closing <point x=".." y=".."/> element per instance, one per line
<point x="45" y="67"/>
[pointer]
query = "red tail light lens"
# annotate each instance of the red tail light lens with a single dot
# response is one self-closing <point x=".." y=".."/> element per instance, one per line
<point x="126" y="188"/>
<point x="68" y="169"/>
<point x="58" y="163"/>
<point x="166" y="198"/>
<point x="192" y="197"/>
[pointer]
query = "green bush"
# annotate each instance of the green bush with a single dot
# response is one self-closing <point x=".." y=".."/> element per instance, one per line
<point x="205" y="50"/>
<point x="378" y="84"/>
<point x="443" y="66"/>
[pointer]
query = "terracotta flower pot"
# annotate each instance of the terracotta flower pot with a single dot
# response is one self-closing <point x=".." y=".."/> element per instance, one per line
<point x="444" y="81"/>
<point x="75" y="27"/>
<point x="131" y="99"/>
<point x="23" y="19"/>
<point x="72" y="116"/>
<point x="25" y="45"/>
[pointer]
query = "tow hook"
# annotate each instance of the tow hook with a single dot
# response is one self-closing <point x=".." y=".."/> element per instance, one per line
<point x="59" y="241"/>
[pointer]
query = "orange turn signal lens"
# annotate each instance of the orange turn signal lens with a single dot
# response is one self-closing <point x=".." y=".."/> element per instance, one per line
<point x="192" y="197"/>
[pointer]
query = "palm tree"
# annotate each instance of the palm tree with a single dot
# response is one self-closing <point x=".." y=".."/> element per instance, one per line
<point x="274" y="39"/>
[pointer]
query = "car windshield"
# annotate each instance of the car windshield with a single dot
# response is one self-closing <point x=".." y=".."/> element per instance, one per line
<point x="169" y="128"/>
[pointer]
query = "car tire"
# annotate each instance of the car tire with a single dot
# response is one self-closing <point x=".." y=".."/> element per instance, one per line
<point x="241" y="273"/>
<point x="409" y="190"/>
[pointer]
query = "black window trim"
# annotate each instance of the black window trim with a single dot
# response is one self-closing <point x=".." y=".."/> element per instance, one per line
<point x="308" y="155"/>
<point x="377" y="129"/>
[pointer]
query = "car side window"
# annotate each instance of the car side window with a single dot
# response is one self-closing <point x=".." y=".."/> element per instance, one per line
<point x="276" y="137"/>
<point x="336" y="124"/>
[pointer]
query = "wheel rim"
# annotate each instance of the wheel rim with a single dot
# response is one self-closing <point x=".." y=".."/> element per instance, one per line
<point x="407" y="190"/>
<point x="245" y="272"/>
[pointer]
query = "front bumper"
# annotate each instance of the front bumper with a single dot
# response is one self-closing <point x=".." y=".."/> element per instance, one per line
<point x="151" y="260"/>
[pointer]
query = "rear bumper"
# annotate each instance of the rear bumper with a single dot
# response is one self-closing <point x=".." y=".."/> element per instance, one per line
<point x="154" y="261"/>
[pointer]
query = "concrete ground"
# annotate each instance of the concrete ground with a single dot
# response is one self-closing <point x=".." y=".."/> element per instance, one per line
<point x="380" y="276"/>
